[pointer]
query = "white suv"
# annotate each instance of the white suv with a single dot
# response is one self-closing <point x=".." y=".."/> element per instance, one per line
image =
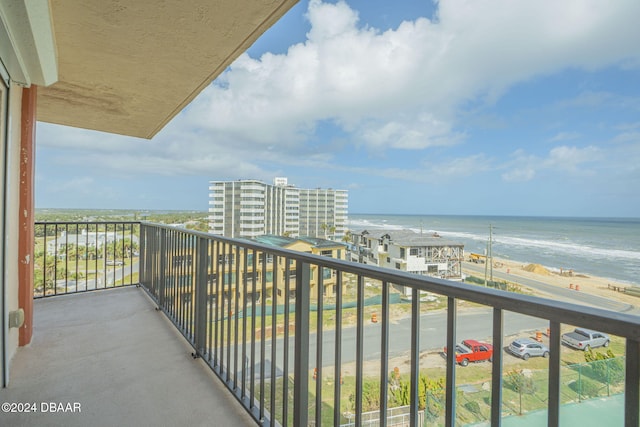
<point x="525" y="348"/>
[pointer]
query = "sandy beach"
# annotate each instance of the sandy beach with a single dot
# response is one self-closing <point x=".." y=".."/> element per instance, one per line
<point x="570" y="279"/>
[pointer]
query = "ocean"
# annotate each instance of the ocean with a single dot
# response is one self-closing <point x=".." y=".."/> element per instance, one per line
<point x="603" y="247"/>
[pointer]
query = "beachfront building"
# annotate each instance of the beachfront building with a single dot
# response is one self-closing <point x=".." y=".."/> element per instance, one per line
<point x="405" y="250"/>
<point x="323" y="213"/>
<point x="250" y="208"/>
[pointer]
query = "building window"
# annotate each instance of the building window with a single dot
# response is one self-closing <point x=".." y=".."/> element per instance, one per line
<point x="402" y="253"/>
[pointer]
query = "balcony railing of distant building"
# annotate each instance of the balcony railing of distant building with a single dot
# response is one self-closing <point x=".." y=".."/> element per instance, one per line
<point x="294" y="354"/>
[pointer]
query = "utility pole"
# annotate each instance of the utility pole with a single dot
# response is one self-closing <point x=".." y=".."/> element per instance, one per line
<point x="489" y="257"/>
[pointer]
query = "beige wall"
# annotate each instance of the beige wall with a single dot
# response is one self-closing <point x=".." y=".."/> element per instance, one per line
<point x="11" y="219"/>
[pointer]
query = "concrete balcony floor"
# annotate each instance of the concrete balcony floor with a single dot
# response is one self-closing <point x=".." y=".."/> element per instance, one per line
<point x="122" y="361"/>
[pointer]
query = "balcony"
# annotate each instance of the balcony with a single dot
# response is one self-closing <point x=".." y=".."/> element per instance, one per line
<point x="340" y="360"/>
<point x="116" y="357"/>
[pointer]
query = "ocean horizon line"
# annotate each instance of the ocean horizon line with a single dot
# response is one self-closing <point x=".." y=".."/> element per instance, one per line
<point x="496" y="216"/>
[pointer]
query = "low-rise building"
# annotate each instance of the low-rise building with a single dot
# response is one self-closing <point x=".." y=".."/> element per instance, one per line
<point x="312" y="245"/>
<point x="405" y="250"/>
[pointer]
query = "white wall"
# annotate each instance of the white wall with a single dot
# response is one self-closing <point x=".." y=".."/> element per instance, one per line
<point x="11" y="219"/>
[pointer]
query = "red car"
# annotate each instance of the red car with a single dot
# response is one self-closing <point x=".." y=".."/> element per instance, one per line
<point x="472" y="351"/>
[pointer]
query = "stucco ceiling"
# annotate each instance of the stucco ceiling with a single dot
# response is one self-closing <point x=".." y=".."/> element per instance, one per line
<point x="129" y="67"/>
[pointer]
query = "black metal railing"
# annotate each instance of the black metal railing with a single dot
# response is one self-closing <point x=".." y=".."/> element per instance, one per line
<point x="71" y="257"/>
<point x="295" y="352"/>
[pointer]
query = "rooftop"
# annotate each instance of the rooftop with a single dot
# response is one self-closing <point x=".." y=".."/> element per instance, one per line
<point x="410" y="238"/>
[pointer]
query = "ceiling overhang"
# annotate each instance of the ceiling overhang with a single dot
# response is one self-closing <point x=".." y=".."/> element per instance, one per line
<point x="128" y="67"/>
<point x="28" y="48"/>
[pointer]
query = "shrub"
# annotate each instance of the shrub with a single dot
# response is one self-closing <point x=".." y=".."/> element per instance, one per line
<point x="605" y="367"/>
<point x="473" y="407"/>
<point x="586" y="387"/>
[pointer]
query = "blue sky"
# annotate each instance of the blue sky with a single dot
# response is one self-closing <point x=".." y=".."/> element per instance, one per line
<point x="456" y="107"/>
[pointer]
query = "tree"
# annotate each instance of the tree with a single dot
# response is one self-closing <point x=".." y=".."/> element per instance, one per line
<point x="521" y="383"/>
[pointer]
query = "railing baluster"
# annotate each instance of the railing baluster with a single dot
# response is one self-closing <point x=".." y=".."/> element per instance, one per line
<point x="228" y="254"/>
<point x="285" y="345"/>
<point x="338" y="351"/>
<point x="359" y="347"/>
<point x="450" y="406"/>
<point x="244" y="325"/>
<point x="263" y="329"/>
<point x="219" y="325"/>
<point x="254" y="273"/>
<point x="301" y="364"/>
<point x="236" y="294"/>
<point x="415" y="357"/>
<point x="384" y="354"/>
<point x="210" y="295"/>
<point x="55" y="263"/>
<point x="201" y="296"/>
<point x="319" y="286"/>
<point x="496" y="369"/>
<point x="274" y="335"/>
<point x="632" y="379"/>
<point x="554" y="375"/>
<point x="163" y="268"/>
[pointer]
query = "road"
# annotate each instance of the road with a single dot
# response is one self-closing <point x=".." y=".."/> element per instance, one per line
<point x="473" y="323"/>
<point x="113" y="274"/>
<point x="564" y="294"/>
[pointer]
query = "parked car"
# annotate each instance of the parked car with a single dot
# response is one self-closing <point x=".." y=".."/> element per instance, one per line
<point x="584" y="339"/>
<point x="472" y="351"/>
<point x="116" y="262"/>
<point x="526" y="348"/>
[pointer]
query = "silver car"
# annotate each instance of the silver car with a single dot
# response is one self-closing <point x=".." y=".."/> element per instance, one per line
<point x="525" y="348"/>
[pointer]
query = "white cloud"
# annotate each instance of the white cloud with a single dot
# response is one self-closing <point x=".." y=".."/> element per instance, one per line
<point x="522" y="174"/>
<point x="571" y="159"/>
<point x="564" y="136"/>
<point x="460" y="167"/>
<point x="564" y="160"/>
<point x="400" y="88"/>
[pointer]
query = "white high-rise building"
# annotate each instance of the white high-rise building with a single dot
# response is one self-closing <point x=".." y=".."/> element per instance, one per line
<point x="249" y="208"/>
<point x="323" y="213"/>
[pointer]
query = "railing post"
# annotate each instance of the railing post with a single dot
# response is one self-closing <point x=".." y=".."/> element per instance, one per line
<point x="301" y="364"/>
<point x="162" y="258"/>
<point x="496" y="369"/>
<point x="554" y="374"/>
<point x="142" y="253"/>
<point x="631" y="387"/>
<point x="450" y="403"/>
<point x="201" y="296"/>
<point x="415" y="357"/>
<point x="359" y="349"/>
